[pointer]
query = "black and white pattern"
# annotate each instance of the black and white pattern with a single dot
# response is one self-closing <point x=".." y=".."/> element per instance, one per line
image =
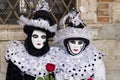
<point x="34" y="66"/>
<point x="37" y="23"/>
<point x="82" y="66"/>
<point x="88" y="63"/>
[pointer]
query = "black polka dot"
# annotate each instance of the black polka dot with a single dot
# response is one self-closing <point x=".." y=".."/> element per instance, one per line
<point x="95" y="55"/>
<point x="39" y="73"/>
<point x="85" y="70"/>
<point x="72" y="75"/>
<point x="89" y="65"/>
<point x="11" y="53"/>
<point x="63" y="65"/>
<point x="94" y="59"/>
<point x="34" y="74"/>
<point x="92" y="64"/>
<point x="75" y="73"/>
<point x="7" y="51"/>
<point x="69" y="70"/>
<point x="99" y="57"/>
<point x="28" y="69"/>
<point x="74" y="69"/>
<point x="85" y="66"/>
<point x="82" y="74"/>
<point x="92" y="69"/>
<point x="19" y="62"/>
<point x="43" y="73"/>
<point x="59" y="49"/>
<point x="14" y="61"/>
<point x="79" y="70"/>
<point x="22" y="66"/>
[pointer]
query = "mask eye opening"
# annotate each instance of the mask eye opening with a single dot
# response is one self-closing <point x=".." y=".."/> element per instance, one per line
<point x="35" y="36"/>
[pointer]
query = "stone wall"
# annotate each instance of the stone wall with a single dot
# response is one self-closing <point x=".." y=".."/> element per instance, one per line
<point x="104" y="18"/>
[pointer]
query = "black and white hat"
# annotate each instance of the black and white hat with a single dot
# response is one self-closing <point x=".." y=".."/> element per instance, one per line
<point x="42" y="19"/>
<point x="75" y="29"/>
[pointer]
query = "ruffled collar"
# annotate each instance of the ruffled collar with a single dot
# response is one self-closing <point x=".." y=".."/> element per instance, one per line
<point x="81" y="66"/>
<point x="34" y="66"/>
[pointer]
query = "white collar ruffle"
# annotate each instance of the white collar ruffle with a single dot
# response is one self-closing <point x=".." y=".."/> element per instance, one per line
<point x="34" y="66"/>
<point x="81" y="66"/>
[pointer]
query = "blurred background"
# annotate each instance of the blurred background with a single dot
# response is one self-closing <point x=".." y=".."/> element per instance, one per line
<point x="103" y="16"/>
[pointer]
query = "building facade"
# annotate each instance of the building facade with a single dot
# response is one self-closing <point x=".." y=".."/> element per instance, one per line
<point x="102" y="15"/>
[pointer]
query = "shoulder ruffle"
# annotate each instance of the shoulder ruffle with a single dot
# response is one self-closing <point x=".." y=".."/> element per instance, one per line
<point x="82" y="66"/>
<point x="34" y="66"/>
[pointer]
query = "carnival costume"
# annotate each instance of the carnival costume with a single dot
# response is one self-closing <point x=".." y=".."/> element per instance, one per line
<point x="28" y="60"/>
<point x="84" y="62"/>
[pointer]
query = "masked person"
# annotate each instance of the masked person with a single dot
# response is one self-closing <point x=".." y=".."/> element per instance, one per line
<point x="28" y="60"/>
<point x="81" y="60"/>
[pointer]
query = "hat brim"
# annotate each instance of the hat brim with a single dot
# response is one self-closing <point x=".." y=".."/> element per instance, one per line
<point x="29" y="29"/>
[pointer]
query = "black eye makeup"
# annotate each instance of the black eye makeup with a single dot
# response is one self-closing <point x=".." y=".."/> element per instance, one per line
<point x="43" y="36"/>
<point x="35" y="36"/>
<point x="80" y="42"/>
<point x="72" y="41"/>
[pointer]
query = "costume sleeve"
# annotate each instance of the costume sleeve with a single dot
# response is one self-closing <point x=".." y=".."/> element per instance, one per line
<point x="100" y="72"/>
<point x="13" y="72"/>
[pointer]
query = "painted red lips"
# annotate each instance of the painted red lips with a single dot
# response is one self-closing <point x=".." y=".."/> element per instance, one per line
<point x="38" y="43"/>
<point x="75" y="49"/>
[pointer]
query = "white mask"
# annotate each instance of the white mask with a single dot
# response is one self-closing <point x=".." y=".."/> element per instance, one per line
<point x="75" y="46"/>
<point x="38" y="39"/>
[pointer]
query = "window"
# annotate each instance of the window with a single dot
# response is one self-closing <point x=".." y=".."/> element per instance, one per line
<point x="11" y="10"/>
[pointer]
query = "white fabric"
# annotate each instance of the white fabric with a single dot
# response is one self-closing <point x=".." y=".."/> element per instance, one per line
<point x="36" y="23"/>
<point x="82" y="66"/>
<point x="34" y="66"/>
<point x="38" y="39"/>
<point x="100" y="73"/>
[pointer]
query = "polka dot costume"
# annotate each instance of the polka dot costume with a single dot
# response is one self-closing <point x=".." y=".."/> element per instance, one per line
<point x="82" y="66"/>
<point x="34" y="66"/>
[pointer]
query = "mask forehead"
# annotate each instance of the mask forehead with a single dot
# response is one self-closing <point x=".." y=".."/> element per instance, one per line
<point x="38" y="39"/>
<point x="75" y="46"/>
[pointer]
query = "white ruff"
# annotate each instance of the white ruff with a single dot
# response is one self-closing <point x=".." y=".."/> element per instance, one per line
<point x="34" y="66"/>
<point x="73" y="67"/>
<point x="71" y="32"/>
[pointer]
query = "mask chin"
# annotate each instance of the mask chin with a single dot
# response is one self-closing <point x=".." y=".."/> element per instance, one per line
<point x="33" y="51"/>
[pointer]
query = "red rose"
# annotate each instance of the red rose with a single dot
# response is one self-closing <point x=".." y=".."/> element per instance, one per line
<point x="90" y="79"/>
<point x="50" y="67"/>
